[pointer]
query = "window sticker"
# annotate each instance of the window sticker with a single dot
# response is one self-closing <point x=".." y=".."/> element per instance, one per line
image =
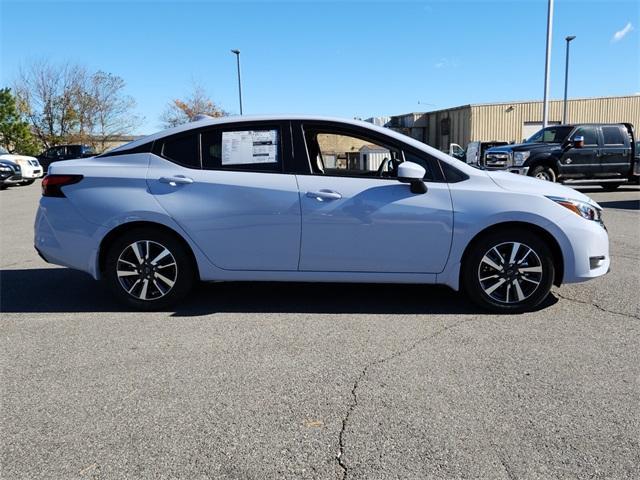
<point x="249" y="147"/>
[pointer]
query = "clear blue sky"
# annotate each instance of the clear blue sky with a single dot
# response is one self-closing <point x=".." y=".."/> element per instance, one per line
<point x="350" y="59"/>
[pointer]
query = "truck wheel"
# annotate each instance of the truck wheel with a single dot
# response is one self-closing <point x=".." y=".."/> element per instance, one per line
<point x="508" y="271"/>
<point x="610" y="187"/>
<point x="149" y="269"/>
<point x="543" y="172"/>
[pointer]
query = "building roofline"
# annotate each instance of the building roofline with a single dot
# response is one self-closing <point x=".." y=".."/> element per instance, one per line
<point x="488" y="104"/>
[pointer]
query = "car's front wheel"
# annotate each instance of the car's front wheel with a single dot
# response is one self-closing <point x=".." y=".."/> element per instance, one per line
<point x="544" y="172"/>
<point x="149" y="269"/>
<point x="509" y="271"/>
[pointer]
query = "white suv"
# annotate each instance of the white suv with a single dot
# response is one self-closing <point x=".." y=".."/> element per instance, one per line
<point x="31" y="168"/>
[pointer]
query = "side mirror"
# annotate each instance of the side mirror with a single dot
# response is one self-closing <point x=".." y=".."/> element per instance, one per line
<point x="578" y="142"/>
<point x="412" y="173"/>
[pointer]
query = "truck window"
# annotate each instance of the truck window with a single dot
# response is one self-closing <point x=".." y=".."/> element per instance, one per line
<point x="589" y="133"/>
<point x="612" y="135"/>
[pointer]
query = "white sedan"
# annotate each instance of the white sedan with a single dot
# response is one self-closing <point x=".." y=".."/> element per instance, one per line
<point x="31" y="168"/>
<point x="312" y="199"/>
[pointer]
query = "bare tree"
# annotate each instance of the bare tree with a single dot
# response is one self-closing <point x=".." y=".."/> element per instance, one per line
<point x="111" y="109"/>
<point x="66" y="103"/>
<point x="184" y="111"/>
<point x="45" y="96"/>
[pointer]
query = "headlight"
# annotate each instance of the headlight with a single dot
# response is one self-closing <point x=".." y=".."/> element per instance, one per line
<point x="520" y="157"/>
<point x="585" y="210"/>
<point x="4" y="169"/>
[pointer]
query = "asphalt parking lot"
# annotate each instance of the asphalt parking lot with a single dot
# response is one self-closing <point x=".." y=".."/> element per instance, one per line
<point x="253" y="381"/>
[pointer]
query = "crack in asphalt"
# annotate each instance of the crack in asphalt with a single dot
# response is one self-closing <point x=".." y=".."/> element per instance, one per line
<point x="594" y="304"/>
<point x="354" y="395"/>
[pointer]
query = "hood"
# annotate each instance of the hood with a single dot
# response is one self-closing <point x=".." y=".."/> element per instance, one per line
<point x="8" y="161"/>
<point x="520" y="183"/>
<point x="15" y="158"/>
<point x="525" y="147"/>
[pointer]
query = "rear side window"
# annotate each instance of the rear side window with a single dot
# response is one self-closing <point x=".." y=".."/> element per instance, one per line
<point x="249" y="150"/>
<point x="182" y="150"/>
<point x="612" y="135"/>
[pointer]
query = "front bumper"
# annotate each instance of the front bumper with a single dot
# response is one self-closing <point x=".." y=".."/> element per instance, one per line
<point x="13" y="179"/>
<point x="29" y="173"/>
<point x="588" y="256"/>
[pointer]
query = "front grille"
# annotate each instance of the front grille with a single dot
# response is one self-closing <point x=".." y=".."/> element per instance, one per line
<point x="497" y="160"/>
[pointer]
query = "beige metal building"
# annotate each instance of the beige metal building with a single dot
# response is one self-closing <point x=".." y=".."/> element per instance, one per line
<point x="510" y="121"/>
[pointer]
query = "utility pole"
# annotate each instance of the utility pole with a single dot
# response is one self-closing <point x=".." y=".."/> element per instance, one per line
<point x="566" y="79"/>
<point x="547" y="66"/>
<point x="237" y="54"/>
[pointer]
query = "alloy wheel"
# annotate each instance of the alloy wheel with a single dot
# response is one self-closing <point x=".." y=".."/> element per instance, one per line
<point x="510" y="272"/>
<point x="147" y="270"/>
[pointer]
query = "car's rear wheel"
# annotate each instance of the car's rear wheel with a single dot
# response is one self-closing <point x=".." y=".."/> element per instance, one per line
<point x="149" y="269"/>
<point x="544" y="172"/>
<point x="610" y="187"/>
<point x="509" y="271"/>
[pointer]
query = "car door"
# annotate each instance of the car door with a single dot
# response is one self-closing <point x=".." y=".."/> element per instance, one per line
<point x="582" y="162"/>
<point x="615" y="152"/>
<point x="357" y="217"/>
<point x="225" y="187"/>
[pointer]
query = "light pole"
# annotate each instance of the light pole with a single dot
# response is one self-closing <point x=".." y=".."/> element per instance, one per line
<point x="566" y="79"/>
<point x="237" y="53"/>
<point x="547" y="66"/>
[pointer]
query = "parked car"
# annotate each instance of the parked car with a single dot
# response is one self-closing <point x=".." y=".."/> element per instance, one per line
<point x="10" y="174"/>
<point x="252" y="199"/>
<point x="29" y="166"/>
<point x="64" y="152"/>
<point x="604" y="154"/>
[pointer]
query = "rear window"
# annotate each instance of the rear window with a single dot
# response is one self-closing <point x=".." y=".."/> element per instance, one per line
<point x="182" y="150"/>
<point x="612" y="135"/>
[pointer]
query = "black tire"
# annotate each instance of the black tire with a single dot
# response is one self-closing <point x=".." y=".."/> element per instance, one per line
<point x="3" y="187"/>
<point x="610" y="187"/>
<point x="28" y="182"/>
<point x="543" y="172"/>
<point x="135" y="264"/>
<point x="477" y="275"/>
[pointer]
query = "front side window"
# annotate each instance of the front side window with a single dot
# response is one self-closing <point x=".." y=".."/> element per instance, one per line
<point x="589" y="133"/>
<point x="612" y="135"/>
<point x="343" y="154"/>
<point x="251" y="150"/>
<point x="182" y="150"/>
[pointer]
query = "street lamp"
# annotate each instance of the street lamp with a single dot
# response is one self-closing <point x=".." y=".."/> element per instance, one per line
<point x="547" y="66"/>
<point x="237" y="54"/>
<point x="566" y="78"/>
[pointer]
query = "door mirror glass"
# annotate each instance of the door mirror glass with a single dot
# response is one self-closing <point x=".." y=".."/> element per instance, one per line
<point x="578" y="141"/>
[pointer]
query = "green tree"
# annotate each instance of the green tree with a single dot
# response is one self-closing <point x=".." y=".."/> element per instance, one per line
<point x="15" y="134"/>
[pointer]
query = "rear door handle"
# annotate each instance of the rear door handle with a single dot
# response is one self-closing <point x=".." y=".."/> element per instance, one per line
<point x="176" y="180"/>
<point x="323" y="195"/>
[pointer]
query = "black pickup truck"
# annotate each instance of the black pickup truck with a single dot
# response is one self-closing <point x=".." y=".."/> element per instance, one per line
<point x="64" y="152"/>
<point x="601" y="154"/>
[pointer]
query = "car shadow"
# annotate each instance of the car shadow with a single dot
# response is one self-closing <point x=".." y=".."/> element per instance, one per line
<point x="57" y="290"/>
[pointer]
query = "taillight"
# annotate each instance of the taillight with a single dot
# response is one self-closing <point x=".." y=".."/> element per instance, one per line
<point x="52" y="184"/>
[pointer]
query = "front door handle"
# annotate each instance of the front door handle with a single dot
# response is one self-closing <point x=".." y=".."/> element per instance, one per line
<point x="176" y="180"/>
<point x="323" y="195"/>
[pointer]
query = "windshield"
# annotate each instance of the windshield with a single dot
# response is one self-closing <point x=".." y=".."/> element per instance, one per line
<point x="550" y="135"/>
<point x="3" y="151"/>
